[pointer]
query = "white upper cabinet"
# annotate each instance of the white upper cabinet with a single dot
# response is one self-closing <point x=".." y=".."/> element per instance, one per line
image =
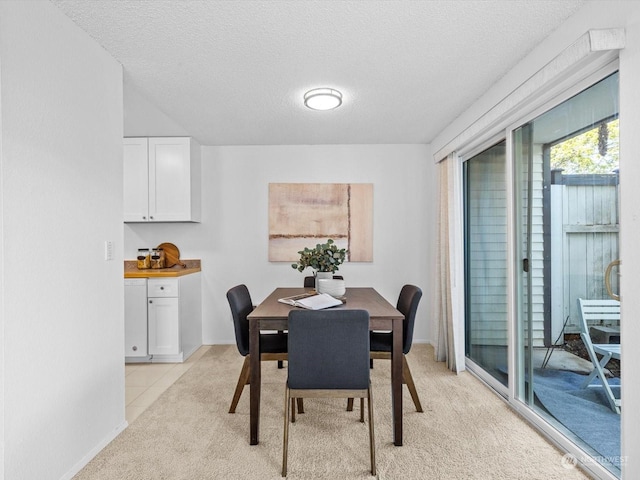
<point x="161" y="179"/>
<point x="136" y="179"/>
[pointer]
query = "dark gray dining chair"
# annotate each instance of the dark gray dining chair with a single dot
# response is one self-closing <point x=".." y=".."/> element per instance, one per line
<point x="273" y="346"/>
<point x="381" y="342"/>
<point x="328" y="357"/>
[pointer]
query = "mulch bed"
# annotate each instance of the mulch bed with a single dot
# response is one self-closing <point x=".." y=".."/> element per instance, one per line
<point x="574" y="344"/>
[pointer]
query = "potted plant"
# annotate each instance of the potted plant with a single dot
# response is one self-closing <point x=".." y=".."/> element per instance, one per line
<point x="324" y="257"/>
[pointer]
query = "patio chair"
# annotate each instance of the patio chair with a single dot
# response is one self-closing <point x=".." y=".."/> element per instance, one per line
<point x="608" y="310"/>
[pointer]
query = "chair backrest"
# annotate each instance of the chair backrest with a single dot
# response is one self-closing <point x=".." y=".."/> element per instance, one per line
<point x="408" y="301"/>
<point x="597" y="310"/>
<point x="328" y="349"/>
<point x="241" y="306"/>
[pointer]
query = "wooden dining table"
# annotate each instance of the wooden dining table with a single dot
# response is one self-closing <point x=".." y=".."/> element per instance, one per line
<point x="273" y="315"/>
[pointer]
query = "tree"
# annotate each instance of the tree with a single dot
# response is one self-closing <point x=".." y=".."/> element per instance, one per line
<point x="594" y="151"/>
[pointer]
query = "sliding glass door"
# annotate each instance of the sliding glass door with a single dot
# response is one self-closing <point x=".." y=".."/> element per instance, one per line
<point x="540" y="232"/>
<point x="566" y="224"/>
<point x="485" y="217"/>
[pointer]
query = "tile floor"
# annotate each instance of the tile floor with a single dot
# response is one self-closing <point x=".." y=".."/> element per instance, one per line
<point x="145" y="382"/>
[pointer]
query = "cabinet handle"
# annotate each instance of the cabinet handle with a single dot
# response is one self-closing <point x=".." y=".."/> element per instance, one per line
<point x="161" y="288"/>
<point x="150" y="218"/>
<point x="150" y="301"/>
<point x="144" y="218"/>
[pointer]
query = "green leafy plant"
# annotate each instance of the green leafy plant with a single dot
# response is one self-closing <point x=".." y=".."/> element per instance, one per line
<point x="325" y="257"/>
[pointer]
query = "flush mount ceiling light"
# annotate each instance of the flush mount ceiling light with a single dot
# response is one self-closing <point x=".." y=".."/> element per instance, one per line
<point x="323" y="99"/>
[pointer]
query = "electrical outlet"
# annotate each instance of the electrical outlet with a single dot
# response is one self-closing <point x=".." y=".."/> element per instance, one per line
<point x="108" y="250"/>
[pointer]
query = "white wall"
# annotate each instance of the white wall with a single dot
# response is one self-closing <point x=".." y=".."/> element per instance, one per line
<point x="61" y="184"/>
<point x="142" y="116"/>
<point x="599" y="14"/>
<point x="232" y="238"/>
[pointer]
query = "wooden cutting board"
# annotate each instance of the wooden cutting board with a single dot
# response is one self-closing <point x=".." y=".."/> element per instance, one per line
<point x="171" y="255"/>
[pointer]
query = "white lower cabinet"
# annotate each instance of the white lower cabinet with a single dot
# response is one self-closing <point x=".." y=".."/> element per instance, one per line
<point x="135" y="320"/>
<point x="173" y="318"/>
<point x="164" y="326"/>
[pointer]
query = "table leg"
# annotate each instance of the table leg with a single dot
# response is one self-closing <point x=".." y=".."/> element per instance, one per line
<point x="254" y="385"/>
<point x="396" y="382"/>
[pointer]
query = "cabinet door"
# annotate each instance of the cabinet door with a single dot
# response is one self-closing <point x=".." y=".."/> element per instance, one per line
<point x="169" y="179"/>
<point x="164" y="326"/>
<point x="135" y="317"/>
<point x="136" y="179"/>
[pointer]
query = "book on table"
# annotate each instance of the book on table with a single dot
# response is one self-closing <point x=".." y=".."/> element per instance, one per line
<point x="311" y="301"/>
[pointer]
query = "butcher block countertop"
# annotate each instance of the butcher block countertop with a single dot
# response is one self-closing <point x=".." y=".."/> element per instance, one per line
<point x="131" y="270"/>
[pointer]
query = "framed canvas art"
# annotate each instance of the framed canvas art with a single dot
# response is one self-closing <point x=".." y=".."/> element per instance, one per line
<point x="304" y="214"/>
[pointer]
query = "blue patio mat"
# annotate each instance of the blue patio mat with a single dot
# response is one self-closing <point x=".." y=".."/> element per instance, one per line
<point x="584" y="411"/>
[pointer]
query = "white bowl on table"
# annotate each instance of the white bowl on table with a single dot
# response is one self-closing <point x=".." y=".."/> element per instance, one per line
<point x="332" y="286"/>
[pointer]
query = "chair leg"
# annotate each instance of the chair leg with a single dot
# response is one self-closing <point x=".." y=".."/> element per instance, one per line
<point x="362" y="409"/>
<point x="243" y="380"/>
<point x="349" y="404"/>
<point x="300" y="405"/>
<point x="408" y="379"/>
<point x="280" y="362"/>
<point x="372" y="438"/>
<point x="293" y="410"/>
<point x="285" y="436"/>
<point x="598" y="372"/>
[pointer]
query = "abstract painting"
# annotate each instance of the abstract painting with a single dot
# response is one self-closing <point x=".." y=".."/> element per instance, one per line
<point x="304" y="214"/>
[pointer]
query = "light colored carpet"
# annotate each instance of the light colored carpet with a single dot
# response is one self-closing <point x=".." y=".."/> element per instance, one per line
<point x="465" y="432"/>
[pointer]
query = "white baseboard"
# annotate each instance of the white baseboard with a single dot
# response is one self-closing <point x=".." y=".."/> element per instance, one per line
<point x="145" y="359"/>
<point x="187" y="354"/>
<point x="179" y="358"/>
<point x="94" y="451"/>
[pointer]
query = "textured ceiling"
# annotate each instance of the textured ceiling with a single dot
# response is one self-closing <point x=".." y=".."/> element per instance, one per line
<point x="234" y="72"/>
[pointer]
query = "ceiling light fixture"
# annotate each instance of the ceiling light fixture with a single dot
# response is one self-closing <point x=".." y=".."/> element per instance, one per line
<point x="323" y="99"/>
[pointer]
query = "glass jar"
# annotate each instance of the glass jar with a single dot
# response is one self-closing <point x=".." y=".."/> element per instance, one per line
<point x="143" y="258"/>
<point x="155" y="258"/>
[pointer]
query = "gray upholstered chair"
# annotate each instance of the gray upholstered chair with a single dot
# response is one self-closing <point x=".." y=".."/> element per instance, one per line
<point x="272" y="346"/>
<point x="381" y="342"/>
<point x="328" y="357"/>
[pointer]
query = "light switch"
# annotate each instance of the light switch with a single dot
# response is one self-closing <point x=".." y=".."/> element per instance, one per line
<point x="108" y="250"/>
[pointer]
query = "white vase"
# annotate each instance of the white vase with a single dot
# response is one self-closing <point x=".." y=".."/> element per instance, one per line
<point x="322" y="276"/>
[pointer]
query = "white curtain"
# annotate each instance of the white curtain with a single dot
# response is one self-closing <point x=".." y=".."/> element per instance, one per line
<point x="449" y="300"/>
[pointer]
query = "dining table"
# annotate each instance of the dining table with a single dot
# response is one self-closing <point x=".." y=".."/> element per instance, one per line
<point x="271" y="314"/>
